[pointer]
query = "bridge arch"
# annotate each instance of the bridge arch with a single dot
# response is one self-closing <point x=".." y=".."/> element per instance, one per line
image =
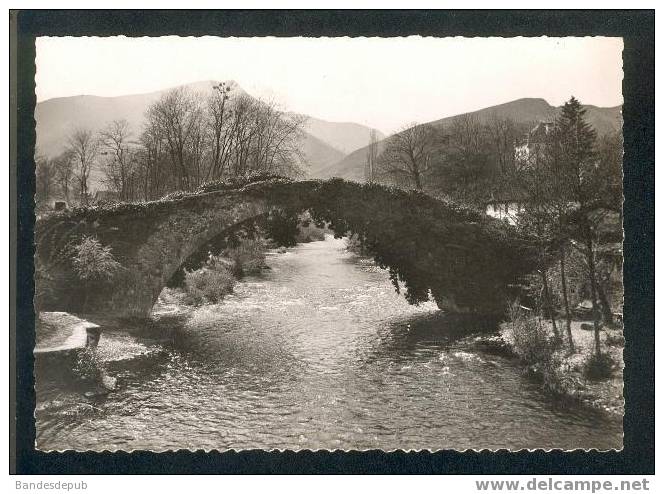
<point x="467" y="261"/>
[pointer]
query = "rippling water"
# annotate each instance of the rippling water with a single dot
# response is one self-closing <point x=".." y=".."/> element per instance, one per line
<point x="318" y="352"/>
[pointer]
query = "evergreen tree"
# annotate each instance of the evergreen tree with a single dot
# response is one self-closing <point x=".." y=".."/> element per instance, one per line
<point x="577" y="184"/>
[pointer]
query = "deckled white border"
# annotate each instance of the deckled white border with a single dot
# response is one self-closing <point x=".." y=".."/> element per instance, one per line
<point x="282" y="450"/>
<point x="561" y="4"/>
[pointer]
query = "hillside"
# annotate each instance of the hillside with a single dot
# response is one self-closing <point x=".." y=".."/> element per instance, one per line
<point x="324" y="142"/>
<point x="318" y="155"/>
<point x="58" y="116"/>
<point x="526" y="110"/>
<point x="344" y="136"/>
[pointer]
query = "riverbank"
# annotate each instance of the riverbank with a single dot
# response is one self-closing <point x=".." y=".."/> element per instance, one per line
<point x="60" y="331"/>
<point x="318" y="352"/>
<point x="565" y="373"/>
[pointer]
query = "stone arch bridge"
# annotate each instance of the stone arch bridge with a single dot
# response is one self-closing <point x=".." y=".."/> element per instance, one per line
<point x="465" y="260"/>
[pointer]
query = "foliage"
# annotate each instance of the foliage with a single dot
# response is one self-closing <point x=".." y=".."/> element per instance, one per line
<point x="94" y="262"/>
<point x="528" y="336"/>
<point x="355" y="244"/>
<point x="556" y="378"/>
<point x="248" y="256"/>
<point x="232" y="183"/>
<point x="568" y="180"/>
<point x="281" y="226"/>
<point x="211" y="283"/>
<point x="615" y="339"/>
<point x="45" y="287"/>
<point x="308" y="231"/>
<point x="610" y="157"/>
<point x="175" y="195"/>
<point x="599" y="366"/>
<point x="530" y="339"/>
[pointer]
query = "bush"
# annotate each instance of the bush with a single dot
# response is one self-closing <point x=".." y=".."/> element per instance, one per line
<point x="211" y="283"/>
<point x="309" y="232"/>
<point x="615" y="339"/>
<point x="531" y="340"/>
<point x="45" y="286"/>
<point x="247" y="257"/>
<point x="355" y="245"/>
<point x="92" y="261"/>
<point x="175" y="195"/>
<point x="528" y="336"/>
<point x="599" y="366"/>
<point x="282" y="227"/>
<point x="234" y="183"/>
<point x="556" y="378"/>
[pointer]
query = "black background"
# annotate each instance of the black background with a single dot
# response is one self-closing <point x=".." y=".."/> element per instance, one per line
<point x="636" y="27"/>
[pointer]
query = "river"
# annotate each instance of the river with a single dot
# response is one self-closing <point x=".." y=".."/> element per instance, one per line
<point x="316" y="352"/>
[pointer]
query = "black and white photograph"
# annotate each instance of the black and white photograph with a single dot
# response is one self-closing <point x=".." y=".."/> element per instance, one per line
<point x="328" y="243"/>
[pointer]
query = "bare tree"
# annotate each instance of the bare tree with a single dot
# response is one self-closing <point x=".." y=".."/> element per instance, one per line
<point x="242" y="132"/>
<point x="84" y="148"/>
<point x="64" y="173"/>
<point x="217" y="112"/>
<point x="371" y="158"/>
<point x="464" y="163"/>
<point x="406" y="158"/>
<point x="45" y="173"/>
<point x="188" y="140"/>
<point x="264" y="139"/>
<point x="175" y="116"/>
<point x="539" y="220"/>
<point x="153" y="165"/>
<point x="276" y="140"/>
<point x="119" y="165"/>
<point x="502" y="134"/>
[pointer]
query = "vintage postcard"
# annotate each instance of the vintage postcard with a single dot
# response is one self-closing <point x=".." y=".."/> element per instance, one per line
<point x="408" y="243"/>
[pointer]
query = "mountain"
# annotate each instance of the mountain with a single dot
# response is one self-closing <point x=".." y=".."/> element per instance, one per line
<point x="324" y="142"/>
<point x="319" y="155"/>
<point x="57" y="117"/>
<point x="343" y="136"/>
<point x="525" y="110"/>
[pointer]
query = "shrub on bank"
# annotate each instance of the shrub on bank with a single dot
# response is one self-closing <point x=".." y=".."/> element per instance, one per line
<point x="248" y="256"/>
<point x="615" y="339"/>
<point x="354" y="244"/>
<point x="309" y="232"/>
<point x="216" y="278"/>
<point x="528" y="336"/>
<point x="599" y="366"/>
<point x="211" y="283"/>
<point x="531" y="340"/>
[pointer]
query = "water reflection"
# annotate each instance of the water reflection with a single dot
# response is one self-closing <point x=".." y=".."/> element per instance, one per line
<point x="318" y="352"/>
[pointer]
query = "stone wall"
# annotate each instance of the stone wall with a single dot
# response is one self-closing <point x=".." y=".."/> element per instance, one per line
<point x="432" y="246"/>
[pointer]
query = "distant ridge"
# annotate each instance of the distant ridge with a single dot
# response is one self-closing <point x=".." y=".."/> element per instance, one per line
<point x="324" y="143"/>
<point x="524" y="110"/>
<point x="343" y="136"/>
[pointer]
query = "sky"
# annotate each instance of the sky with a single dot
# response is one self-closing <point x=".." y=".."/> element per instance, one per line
<point x="384" y="83"/>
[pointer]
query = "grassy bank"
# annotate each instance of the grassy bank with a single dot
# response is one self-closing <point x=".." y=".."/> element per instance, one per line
<point x="577" y="375"/>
